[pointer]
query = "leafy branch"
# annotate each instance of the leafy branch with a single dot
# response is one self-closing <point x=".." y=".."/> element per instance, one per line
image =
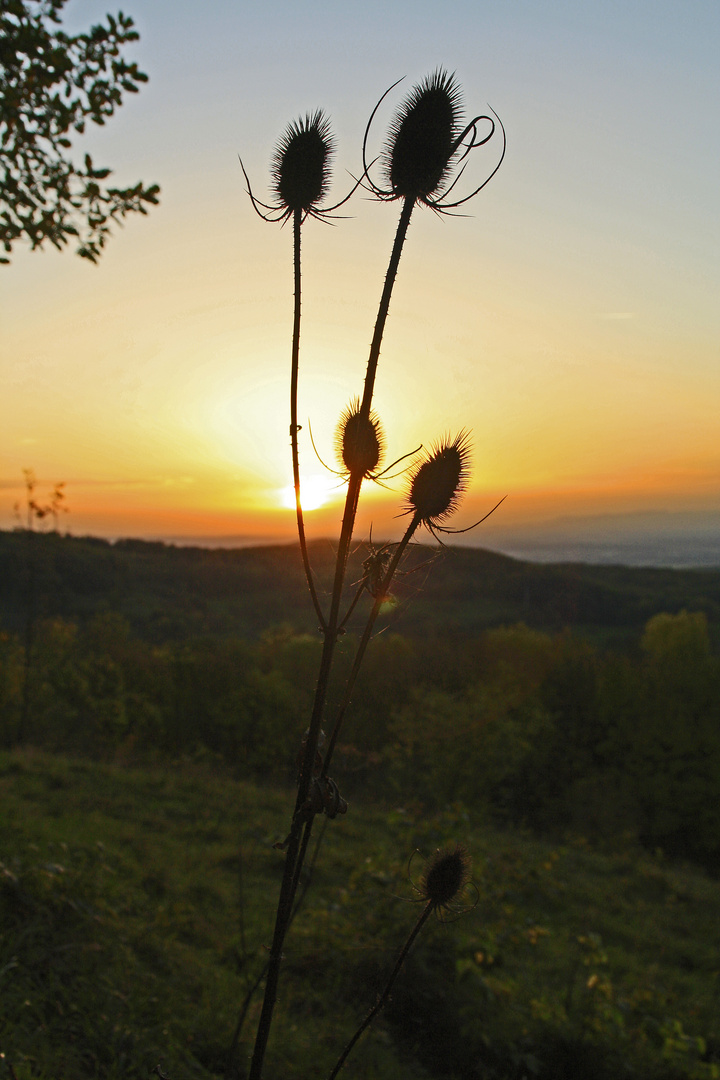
<point x="51" y="84"/>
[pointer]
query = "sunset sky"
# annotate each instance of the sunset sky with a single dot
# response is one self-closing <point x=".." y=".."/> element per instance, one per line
<point x="571" y="320"/>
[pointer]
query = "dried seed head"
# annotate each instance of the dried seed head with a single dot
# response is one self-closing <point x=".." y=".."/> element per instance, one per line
<point x="359" y="441"/>
<point x="423" y="137"/>
<point x="438" y="483"/>
<point x="301" y="163"/>
<point x="445" y="876"/>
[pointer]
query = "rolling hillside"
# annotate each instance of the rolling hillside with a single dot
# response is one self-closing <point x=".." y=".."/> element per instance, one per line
<point x="168" y="592"/>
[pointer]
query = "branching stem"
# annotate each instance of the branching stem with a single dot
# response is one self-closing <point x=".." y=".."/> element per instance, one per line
<point x="365" y="639"/>
<point x="294" y="856"/>
<point x="386" y="992"/>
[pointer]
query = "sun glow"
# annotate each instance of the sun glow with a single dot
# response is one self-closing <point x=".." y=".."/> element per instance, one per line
<point x="316" y="490"/>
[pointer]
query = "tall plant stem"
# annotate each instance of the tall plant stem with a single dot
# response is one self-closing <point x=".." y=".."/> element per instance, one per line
<point x="294" y="428"/>
<point x="293" y="858"/>
<point x="232" y="1071"/>
<point x="386" y="992"/>
<point x="390" y="276"/>
<point x="365" y="639"/>
<point x="351" y="503"/>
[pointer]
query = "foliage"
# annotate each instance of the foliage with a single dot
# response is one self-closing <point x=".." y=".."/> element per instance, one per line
<point x="31" y="512"/>
<point x="128" y="932"/>
<point x="522" y="738"/>
<point x="536" y="729"/>
<point x="170" y="593"/>
<point x="51" y="84"/>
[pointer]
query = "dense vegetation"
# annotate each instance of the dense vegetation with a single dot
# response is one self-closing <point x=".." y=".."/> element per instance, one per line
<point x="578" y="758"/>
<point x="135" y="905"/>
<point x="171" y="593"/>
<point x="543" y="727"/>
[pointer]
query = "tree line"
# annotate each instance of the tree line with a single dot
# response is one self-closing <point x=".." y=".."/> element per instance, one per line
<point x="537" y="729"/>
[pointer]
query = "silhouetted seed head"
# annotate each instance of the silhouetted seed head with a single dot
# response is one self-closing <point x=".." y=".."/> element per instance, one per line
<point x="423" y="137"/>
<point x="360" y="442"/>
<point x="445" y="876"/>
<point x="438" y="483"/>
<point x="301" y="163"/>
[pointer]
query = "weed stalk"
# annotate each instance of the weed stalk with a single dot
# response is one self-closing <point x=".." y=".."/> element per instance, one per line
<point x="426" y="139"/>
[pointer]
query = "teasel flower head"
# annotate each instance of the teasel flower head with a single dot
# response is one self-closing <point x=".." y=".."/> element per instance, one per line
<point x="359" y="441"/>
<point x="421" y="140"/>
<point x="301" y="164"/>
<point x="426" y="142"/>
<point x="445" y="877"/>
<point x="300" y="171"/>
<point x="438" y="482"/>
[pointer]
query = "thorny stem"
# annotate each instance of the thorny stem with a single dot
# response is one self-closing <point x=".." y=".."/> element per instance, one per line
<point x="232" y="1072"/>
<point x="365" y="639"/>
<point x="297" y="223"/>
<point x="400" y="235"/>
<point x="348" y="522"/>
<point x="386" y="992"/>
<point x="282" y="922"/>
<point x="355" y="600"/>
<point x="293" y="858"/>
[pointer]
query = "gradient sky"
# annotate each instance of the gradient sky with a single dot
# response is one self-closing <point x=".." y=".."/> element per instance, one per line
<point x="571" y="321"/>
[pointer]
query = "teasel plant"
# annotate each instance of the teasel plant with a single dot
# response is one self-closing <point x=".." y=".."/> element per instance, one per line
<point x="441" y="891"/>
<point x="300" y="178"/>
<point x="421" y="163"/>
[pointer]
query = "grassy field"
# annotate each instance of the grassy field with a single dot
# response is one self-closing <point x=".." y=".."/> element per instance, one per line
<point x="135" y="907"/>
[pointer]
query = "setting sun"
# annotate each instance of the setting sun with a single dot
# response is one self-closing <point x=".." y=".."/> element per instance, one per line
<point x="569" y="321"/>
<point x="316" y="490"/>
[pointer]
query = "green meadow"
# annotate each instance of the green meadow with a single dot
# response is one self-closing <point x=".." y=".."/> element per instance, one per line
<point x="136" y="905"/>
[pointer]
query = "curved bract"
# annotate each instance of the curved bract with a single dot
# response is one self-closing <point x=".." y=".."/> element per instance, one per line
<point x="300" y="171"/>
<point x="427" y="143"/>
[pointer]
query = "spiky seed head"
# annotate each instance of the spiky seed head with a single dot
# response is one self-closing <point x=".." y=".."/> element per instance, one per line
<point x="422" y="137"/>
<point x="301" y="163"/>
<point x="445" y="876"/>
<point x="359" y="440"/>
<point x="438" y="483"/>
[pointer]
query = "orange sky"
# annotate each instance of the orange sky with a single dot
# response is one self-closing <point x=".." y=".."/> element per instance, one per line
<point x="571" y="322"/>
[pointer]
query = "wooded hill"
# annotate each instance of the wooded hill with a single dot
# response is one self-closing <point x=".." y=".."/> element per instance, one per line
<point x="477" y="693"/>
<point x="171" y="593"/>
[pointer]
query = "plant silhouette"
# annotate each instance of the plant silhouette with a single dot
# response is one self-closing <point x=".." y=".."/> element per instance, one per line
<point x="424" y="157"/>
<point x="32" y="515"/>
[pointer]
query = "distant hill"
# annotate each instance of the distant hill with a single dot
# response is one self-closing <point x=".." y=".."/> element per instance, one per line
<point x="169" y="593"/>
<point x="680" y="540"/>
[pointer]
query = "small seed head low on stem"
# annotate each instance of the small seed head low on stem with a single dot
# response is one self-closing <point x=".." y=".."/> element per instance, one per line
<point x="445" y="876"/>
<point x="359" y="441"/>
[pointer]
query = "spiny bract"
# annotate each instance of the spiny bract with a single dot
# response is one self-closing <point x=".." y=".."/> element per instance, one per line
<point x="438" y="483"/>
<point x="301" y="163"/>
<point x="423" y="137"/>
<point x="359" y="440"/>
<point x="445" y="876"/>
